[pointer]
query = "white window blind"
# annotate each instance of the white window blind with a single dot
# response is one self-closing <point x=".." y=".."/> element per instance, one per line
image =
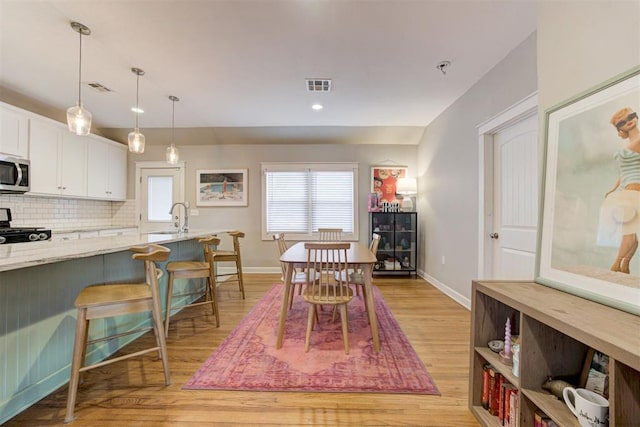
<point x="298" y="199"/>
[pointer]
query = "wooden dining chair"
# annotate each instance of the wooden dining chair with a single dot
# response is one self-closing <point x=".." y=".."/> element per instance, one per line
<point x="116" y="299"/>
<point x="299" y="278"/>
<point x="356" y="277"/>
<point x="330" y="261"/>
<point x="193" y="270"/>
<point x="228" y="256"/>
<point x="330" y="234"/>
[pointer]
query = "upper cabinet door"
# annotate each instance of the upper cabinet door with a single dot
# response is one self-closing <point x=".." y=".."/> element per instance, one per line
<point x="14" y="137"/>
<point x="106" y="170"/>
<point x="44" y="139"/>
<point x="117" y="172"/>
<point x="73" y="164"/>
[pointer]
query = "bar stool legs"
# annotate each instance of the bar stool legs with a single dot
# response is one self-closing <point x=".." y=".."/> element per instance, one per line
<point x="194" y="270"/>
<point x="102" y="301"/>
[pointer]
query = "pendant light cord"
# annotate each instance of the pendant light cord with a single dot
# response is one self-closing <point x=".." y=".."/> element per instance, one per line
<point x="173" y="118"/>
<point x="80" y="71"/>
<point x="137" y="95"/>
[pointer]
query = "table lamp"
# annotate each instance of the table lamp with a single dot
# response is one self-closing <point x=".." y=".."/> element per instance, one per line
<point x="407" y="187"/>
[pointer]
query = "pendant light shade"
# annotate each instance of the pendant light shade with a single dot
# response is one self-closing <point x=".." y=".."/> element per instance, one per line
<point x="136" y="139"/>
<point x="172" y="152"/>
<point x="78" y="118"/>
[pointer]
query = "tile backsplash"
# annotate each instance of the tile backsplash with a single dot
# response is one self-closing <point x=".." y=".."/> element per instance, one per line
<point x="59" y="214"/>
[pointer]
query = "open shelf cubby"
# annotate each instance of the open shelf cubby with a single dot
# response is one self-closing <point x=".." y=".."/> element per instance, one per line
<point x="556" y="331"/>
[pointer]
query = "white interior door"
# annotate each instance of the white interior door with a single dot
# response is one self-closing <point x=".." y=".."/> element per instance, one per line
<point x="515" y="200"/>
<point x="158" y="189"/>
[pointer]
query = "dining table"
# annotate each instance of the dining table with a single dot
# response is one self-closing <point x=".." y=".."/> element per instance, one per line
<point x="358" y="257"/>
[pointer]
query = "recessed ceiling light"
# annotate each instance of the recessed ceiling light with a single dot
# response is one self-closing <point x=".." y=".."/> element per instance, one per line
<point x="137" y="110"/>
<point x="317" y="107"/>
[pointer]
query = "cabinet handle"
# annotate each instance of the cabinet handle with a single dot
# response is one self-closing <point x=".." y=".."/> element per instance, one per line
<point x="494" y="235"/>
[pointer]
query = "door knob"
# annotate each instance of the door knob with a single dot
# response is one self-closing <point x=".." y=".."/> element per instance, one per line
<point x="494" y="235"/>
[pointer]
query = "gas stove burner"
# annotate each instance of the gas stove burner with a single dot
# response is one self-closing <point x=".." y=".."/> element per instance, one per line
<point x="19" y="234"/>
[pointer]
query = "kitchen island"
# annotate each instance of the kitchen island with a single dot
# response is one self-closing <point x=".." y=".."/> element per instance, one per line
<point x="39" y="282"/>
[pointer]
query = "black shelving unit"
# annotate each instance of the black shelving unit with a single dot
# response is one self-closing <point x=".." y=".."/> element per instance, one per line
<point x="398" y="248"/>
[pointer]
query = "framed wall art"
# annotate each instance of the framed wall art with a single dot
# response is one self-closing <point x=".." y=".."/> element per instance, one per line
<point x="590" y="220"/>
<point x="384" y="182"/>
<point x="221" y="187"/>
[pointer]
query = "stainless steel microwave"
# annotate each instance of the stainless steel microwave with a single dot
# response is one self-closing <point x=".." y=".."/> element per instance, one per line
<point x="14" y="175"/>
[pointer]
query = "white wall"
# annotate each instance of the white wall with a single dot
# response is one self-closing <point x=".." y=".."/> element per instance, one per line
<point x="448" y="164"/>
<point x="579" y="46"/>
<point x="258" y="254"/>
<point x="582" y="47"/>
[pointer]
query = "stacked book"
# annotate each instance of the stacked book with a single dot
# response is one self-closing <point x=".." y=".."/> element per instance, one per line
<point x="500" y="397"/>
<point x="540" y="419"/>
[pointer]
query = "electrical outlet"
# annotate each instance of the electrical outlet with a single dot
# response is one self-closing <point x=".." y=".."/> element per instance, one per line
<point x="442" y="259"/>
<point x="194" y="212"/>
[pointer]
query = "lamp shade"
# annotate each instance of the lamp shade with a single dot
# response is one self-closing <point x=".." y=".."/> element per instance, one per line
<point x="406" y="186"/>
<point x="136" y="141"/>
<point x="172" y="154"/>
<point x="79" y="120"/>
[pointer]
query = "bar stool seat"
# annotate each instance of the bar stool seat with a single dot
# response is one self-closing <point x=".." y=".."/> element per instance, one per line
<point x="194" y="270"/>
<point x="110" y="300"/>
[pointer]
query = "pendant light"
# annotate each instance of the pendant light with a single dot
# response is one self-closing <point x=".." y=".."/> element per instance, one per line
<point x="172" y="151"/>
<point x="136" y="139"/>
<point x="78" y="118"/>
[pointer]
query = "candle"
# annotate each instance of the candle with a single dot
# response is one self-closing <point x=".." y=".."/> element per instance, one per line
<point x="507" y="338"/>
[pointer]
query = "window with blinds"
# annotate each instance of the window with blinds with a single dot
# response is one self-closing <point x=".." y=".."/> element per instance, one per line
<point x="298" y="199"/>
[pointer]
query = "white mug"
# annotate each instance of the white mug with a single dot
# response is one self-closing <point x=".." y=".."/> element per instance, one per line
<point x="590" y="408"/>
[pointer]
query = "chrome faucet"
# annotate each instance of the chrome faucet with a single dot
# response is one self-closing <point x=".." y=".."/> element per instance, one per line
<point x="185" y="227"/>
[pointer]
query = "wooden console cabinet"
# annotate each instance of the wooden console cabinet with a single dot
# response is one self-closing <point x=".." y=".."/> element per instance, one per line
<point x="556" y="330"/>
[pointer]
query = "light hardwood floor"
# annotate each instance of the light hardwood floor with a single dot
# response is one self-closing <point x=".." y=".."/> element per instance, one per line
<point x="132" y="393"/>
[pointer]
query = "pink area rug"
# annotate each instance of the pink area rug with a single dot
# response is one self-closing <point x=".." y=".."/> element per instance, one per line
<point x="248" y="360"/>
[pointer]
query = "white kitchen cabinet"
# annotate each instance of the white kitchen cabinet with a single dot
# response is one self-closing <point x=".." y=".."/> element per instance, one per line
<point x="106" y="169"/>
<point x="14" y="128"/>
<point x="58" y="159"/>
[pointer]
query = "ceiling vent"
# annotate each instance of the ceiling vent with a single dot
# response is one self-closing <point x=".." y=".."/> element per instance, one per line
<point x="318" y="85"/>
<point x="98" y="87"/>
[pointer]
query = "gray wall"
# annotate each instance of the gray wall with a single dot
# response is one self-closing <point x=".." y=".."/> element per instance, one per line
<point x="583" y="45"/>
<point x="258" y="254"/>
<point x="448" y="164"/>
<point x="579" y="46"/>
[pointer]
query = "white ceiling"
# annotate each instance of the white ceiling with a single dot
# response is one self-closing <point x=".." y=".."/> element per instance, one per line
<point x="243" y="63"/>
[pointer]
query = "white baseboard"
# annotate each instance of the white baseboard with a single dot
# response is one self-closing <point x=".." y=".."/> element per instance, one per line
<point x="454" y="295"/>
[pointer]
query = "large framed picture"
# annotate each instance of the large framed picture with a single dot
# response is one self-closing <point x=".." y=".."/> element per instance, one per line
<point x="221" y="187"/>
<point x="590" y="221"/>
<point x="384" y="182"/>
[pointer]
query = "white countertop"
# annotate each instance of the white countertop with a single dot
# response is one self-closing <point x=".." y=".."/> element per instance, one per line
<point x="14" y="256"/>
<point x="88" y="229"/>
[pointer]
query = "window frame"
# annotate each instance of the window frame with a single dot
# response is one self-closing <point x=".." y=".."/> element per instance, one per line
<point x="309" y="166"/>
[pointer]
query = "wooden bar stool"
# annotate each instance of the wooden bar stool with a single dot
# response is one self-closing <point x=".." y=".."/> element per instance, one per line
<point x="110" y="300"/>
<point x="194" y="270"/>
<point x="219" y="256"/>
